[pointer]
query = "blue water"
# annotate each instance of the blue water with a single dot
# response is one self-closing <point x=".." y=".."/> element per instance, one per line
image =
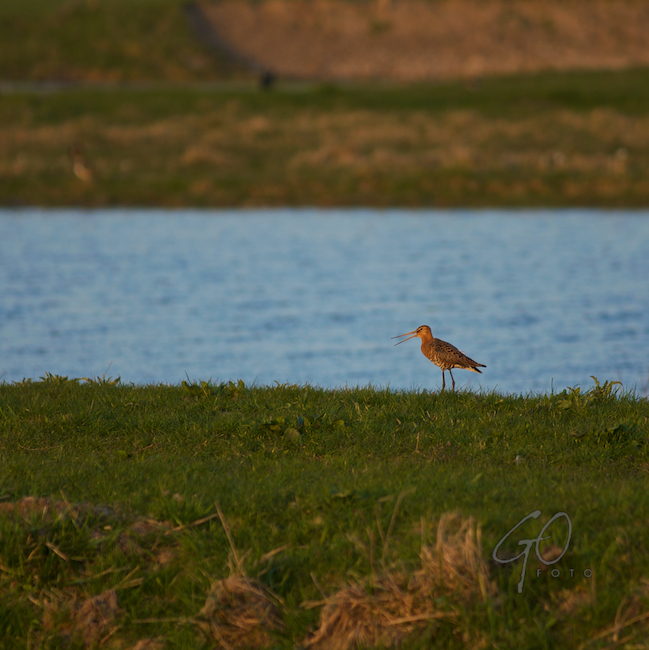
<point x="544" y="299"/>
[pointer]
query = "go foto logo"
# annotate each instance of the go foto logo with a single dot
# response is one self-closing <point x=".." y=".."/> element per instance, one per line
<point x="528" y="543"/>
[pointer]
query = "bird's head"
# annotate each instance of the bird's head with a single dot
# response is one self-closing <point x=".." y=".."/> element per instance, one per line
<point x="423" y="332"/>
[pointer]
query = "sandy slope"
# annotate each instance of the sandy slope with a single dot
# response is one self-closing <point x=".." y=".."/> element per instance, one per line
<point x="432" y="39"/>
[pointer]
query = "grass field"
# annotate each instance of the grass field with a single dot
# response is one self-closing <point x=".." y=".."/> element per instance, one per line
<point x="201" y="515"/>
<point x="571" y="139"/>
<point x="555" y="140"/>
<point x="186" y="516"/>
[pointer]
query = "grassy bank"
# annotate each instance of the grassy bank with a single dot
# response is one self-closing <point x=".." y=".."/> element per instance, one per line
<point x="553" y="140"/>
<point x="94" y="41"/>
<point x="177" y="511"/>
<point x="570" y="139"/>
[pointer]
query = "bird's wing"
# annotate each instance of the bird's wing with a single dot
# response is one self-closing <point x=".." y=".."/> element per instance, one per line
<point x="452" y="355"/>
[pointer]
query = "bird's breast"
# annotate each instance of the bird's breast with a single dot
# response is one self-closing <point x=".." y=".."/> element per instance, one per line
<point x="429" y="352"/>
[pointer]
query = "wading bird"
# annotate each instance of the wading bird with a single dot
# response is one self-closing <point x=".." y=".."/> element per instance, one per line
<point x="442" y="354"/>
<point x="80" y="167"/>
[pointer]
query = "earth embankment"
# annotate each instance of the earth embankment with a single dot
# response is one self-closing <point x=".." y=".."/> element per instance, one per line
<point x="414" y="40"/>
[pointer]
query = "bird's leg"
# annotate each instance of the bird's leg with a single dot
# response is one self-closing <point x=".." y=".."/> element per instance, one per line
<point x="443" y="381"/>
<point x="450" y="373"/>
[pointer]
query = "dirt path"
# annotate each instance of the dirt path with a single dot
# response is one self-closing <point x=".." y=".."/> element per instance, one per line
<point x="413" y="40"/>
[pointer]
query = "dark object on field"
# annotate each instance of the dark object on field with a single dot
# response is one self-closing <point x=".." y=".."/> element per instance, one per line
<point x="267" y="80"/>
<point x="442" y="354"/>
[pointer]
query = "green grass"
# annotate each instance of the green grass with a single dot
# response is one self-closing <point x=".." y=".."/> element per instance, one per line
<point x="556" y="140"/>
<point x="624" y="91"/>
<point x="316" y="474"/>
<point x="92" y="40"/>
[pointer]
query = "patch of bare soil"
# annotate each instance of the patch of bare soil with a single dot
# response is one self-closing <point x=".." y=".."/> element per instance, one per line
<point x="44" y="507"/>
<point x="410" y="40"/>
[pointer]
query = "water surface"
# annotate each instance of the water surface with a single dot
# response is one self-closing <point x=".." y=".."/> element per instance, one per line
<point x="544" y="299"/>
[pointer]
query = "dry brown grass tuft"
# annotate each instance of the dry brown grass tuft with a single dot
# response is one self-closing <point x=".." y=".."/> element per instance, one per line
<point x="455" y="564"/>
<point x="387" y="610"/>
<point x="32" y="506"/>
<point x="631" y="620"/>
<point x="95" y="619"/>
<point x="239" y="612"/>
<point x="46" y="508"/>
<point x="91" y="622"/>
<point x="154" y="643"/>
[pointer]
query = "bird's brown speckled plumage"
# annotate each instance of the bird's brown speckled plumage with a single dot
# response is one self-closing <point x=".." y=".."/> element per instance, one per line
<point x="444" y="355"/>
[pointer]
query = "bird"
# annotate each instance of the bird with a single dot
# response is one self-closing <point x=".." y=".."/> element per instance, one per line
<point x="442" y="354"/>
<point x="80" y="167"/>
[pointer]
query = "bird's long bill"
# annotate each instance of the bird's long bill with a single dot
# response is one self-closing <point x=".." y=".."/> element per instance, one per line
<point x="414" y="334"/>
